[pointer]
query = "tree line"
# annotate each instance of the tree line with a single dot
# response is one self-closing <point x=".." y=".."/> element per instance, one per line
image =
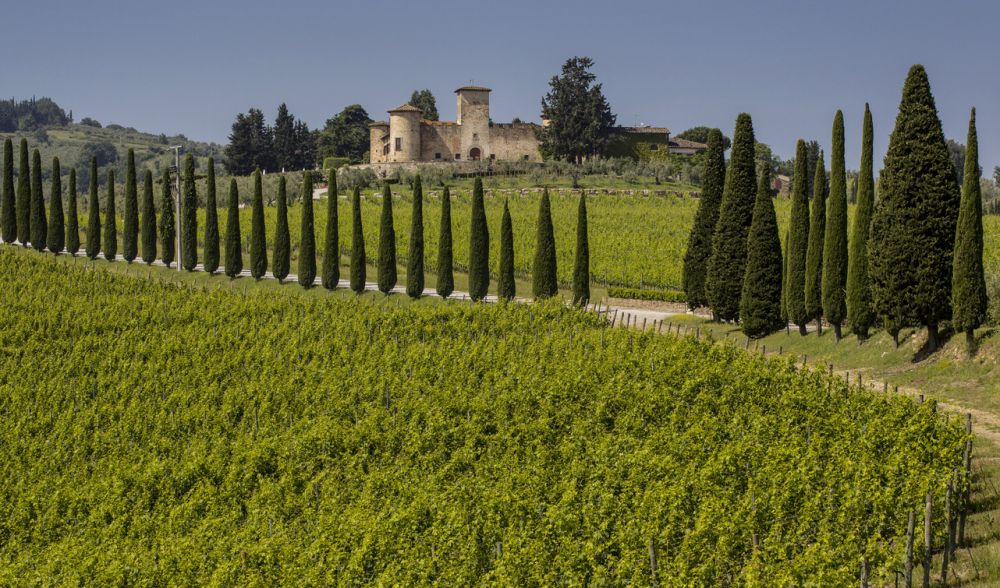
<point x="915" y="257"/>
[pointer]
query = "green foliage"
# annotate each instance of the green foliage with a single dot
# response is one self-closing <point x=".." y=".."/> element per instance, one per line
<point x="211" y="264"/>
<point x="258" y="238"/>
<point x="147" y="219"/>
<point x="798" y="241"/>
<point x="699" y="246"/>
<point x="760" y="302"/>
<point x="72" y="216"/>
<point x="23" y="207"/>
<point x="814" y="250"/>
<point x="167" y="226"/>
<point x="445" y="265"/>
<point x="479" y="246"/>
<point x="110" y="239"/>
<point x="506" y="286"/>
<point x="251" y="147"/>
<point x="345" y="135"/>
<point x="307" y="251"/>
<point x="544" y="283"/>
<point x="859" y="294"/>
<point x="189" y="212"/>
<point x="358" y="267"/>
<point x="579" y="116"/>
<point x="331" y="246"/>
<point x="32" y="114"/>
<point x="704" y="135"/>
<point x="415" y="258"/>
<point x="234" y="243"/>
<point x="581" y="269"/>
<point x="94" y="215"/>
<point x="130" y="228"/>
<point x="282" y="242"/>
<point x="834" y="279"/>
<point x="8" y="204"/>
<point x="335" y="163"/>
<point x="56" y="230"/>
<point x="968" y="291"/>
<point x="386" y="245"/>
<point x="424" y="100"/>
<point x="39" y="225"/>
<point x="675" y="296"/>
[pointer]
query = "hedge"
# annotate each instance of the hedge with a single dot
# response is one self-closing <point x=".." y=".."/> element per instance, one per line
<point x="653" y="295"/>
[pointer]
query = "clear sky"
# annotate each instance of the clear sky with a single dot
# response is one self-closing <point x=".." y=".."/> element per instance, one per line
<point x="189" y="67"/>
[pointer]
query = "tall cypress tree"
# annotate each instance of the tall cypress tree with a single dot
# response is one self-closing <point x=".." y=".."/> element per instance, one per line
<point x="581" y="269"/>
<point x="506" y="287"/>
<point x="130" y="228"/>
<point x="39" y="227"/>
<point x="859" y="293"/>
<point x="544" y="283"/>
<point x="727" y="266"/>
<point x="24" y="196"/>
<point x="331" y="245"/>
<point x="168" y="228"/>
<point x="8" y="206"/>
<point x="358" y="267"/>
<point x="258" y="240"/>
<point x="834" y="281"/>
<point x="93" y="214"/>
<point x="234" y="244"/>
<point x="57" y="231"/>
<point x="760" y="300"/>
<point x="699" y="247"/>
<point x="282" y="241"/>
<point x="479" y="246"/>
<point x="445" y="265"/>
<point x="386" y="245"/>
<point x="415" y="261"/>
<point x="148" y="219"/>
<point x="307" y="250"/>
<point x="814" y="250"/>
<point x="784" y="282"/>
<point x="72" y="220"/>
<point x="798" y="242"/>
<point x="913" y="228"/>
<point x="211" y="264"/>
<point x="968" y="285"/>
<point x="189" y="208"/>
<point x="110" y="239"/>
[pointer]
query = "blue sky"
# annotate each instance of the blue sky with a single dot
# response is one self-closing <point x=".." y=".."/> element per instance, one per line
<point x="189" y="67"/>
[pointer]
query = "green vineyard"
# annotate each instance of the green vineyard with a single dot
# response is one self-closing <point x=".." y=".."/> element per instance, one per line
<point x="157" y="435"/>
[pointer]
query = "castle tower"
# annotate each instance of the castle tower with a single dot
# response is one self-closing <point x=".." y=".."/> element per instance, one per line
<point x="378" y="135"/>
<point x="474" y="120"/>
<point x="404" y="133"/>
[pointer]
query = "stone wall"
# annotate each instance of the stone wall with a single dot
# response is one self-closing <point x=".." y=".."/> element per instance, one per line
<point x="439" y="138"/>
<point x="515" y="141"/>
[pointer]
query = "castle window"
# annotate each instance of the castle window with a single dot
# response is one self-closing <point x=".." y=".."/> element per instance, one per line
<point x="475" y="135"/>
<point x="493" y="155"/>
<point x="525" y="157"/>
<point x="437" y="156"/>
<point x="399" y="143"/>
<point x="458" y="156"/>
<point x="653" y="146"/>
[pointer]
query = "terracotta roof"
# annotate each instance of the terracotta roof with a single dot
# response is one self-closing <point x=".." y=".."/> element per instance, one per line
<point x="405" y="108"/>
<point x="378" y="123"/>
<point x="685" y="144"/>
<point x="650" y="130"/>
<point x="473" y="89"/>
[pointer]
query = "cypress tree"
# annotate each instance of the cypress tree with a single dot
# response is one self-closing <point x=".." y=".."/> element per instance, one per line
<point x="798" y="242"/>
<point x="784" y="282"/>
<point x="727" y="266"/>
<point x="56" y="230"/>
<point x="282" y="245"/>
<point x="699" y="247"/>
<point x="8" y="206"/>
<point x="581" y="270"/>
<point x="543" y="271"/>
<point x="331" y="246"/>
<point x="168" y="229"/>
<point x="307" y="250"/>
<point x="211" y="222"/>
<point x="760" y="301"/>
<point x="415" y="261"/>
<point x="39" y="228"/>
<point x="130" y="228"/>
<point x="506" y="287"/>
<point x="189" y="208"/>
<point x="859" y="294"/>
<point x="814" y="250"/>
<point x="234" y="244"/>
<point x="110" y="239"/>
<point x="258" y="240"/>
<point x="72" y="220"/>
<point x="148" y="219"/>
<point x="93" y="214"/>
<point x="834" y="281"/>
<point x="479" y="246"/>
<point x="968" y="285"/>
<point x="358" y="268"/>
<point x="913" y="227"/>
<point x="445" y="265"/>
<point x="23" y="208"/>
<point x="386" y="245"/>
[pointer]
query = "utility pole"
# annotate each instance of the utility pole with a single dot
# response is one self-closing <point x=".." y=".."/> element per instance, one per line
<point x="177" y="183"/>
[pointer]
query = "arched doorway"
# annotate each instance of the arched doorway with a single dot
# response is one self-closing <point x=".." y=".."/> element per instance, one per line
<point x="475" y="154"/>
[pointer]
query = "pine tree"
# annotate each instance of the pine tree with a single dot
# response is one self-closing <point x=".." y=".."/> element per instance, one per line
<point x="479" y="246"/>
<point x="415" y="260"/>
<point x="23" y="208"/>
<point x="445" y="265"/>
<point x="834" y="280"/>
<point x="110" y="239"/>
<point x="39" y="228"/>
<point x="859" y="295"/>
<point x="386" y="245"/>
<point x="543" y="271"/>
<point x="581" y="270"/>
<point x="699" y="247"/>
<point x="168" y="229"/>
<point x="727" y="266"/>
<point x="760" y="301"/>
<point x="282" y="242"/>
<point x="189" y="222"/>
<point x="258" y="239"/>
<point x="968" y="286"/>
<point x="130" y="228"/>
<point x="72" y="220"/>
<point x="8" y="206"/>
<point x="148" y="219"/>
<point x="56" y="230"/>
<point x="93" y="214"/>
<point x="913" y="227"/>
<point x="234" y="244"/>
<point x="211" y="264"/>
<point x="814" y="250"/>
<point x="506" y="287"/>
<point x="307" y="249"/>
<point x="331" y="246"/>
<point x="798" y="242"/>
<point x="358" y="268"/>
